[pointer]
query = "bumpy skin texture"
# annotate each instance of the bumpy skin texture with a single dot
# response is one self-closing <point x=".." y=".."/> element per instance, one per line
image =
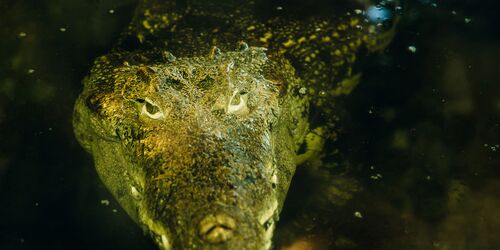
<point x="200" y="149"/>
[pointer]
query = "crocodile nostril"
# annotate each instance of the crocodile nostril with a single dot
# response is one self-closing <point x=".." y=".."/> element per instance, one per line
<point x="217" y="228"/>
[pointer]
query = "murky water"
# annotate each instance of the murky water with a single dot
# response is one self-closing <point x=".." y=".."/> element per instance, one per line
<point x="420" y="136"/>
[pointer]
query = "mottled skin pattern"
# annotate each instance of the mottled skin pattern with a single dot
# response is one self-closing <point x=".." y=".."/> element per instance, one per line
<point x="200" y="149"/>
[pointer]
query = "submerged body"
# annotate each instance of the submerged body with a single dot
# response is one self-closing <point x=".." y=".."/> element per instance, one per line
<point x="200" y="148"/>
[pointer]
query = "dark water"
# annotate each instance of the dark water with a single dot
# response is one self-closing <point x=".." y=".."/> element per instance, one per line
<point x="420" y="134"/>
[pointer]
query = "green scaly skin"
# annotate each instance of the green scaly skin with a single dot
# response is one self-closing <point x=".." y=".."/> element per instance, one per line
<point x="200" y="149"/>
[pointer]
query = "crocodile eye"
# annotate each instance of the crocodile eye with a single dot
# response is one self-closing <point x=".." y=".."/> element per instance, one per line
<point x="238" y="103"/>
<point x="150" y="109"/>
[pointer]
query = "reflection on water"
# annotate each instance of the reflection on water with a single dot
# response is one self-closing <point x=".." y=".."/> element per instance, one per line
<point x="417" y="150"/>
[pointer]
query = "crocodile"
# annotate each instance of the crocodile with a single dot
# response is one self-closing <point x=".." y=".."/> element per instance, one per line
<point x="199" y="115"/>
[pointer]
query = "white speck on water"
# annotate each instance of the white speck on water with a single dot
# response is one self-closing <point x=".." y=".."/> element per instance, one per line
<point x="493" y="148"/>
<point x="62" y="29"/>
<point x="468" y="20"/>
<point x="111" y="11"/>
<point x="358" y="11"/>
<point x="399" y="10"/>
<point x="412" y="49"/>
<point x="279" y="8"/>
<point x="372" y="167"/>
<point x="105" y="202"/>
<point x="428" y="177"/>
<point x="303" y="90"/>
<point x="36" y="204"/>
<point x="22" y="34"/>
<point x="453" y="12"/>
<point x="114" y="210"/>
<point x="358" y="214"/>
<point x="31" y="71"/>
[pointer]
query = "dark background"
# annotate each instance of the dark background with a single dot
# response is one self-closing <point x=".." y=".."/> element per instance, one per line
<point x="421" y="133"/>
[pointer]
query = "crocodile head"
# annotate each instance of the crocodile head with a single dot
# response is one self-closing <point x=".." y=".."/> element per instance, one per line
<point x="199" y="151"/>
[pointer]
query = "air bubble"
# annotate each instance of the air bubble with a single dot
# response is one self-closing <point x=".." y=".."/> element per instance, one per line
<point x="378" y="14"/>
<point x="358" y="215"/>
